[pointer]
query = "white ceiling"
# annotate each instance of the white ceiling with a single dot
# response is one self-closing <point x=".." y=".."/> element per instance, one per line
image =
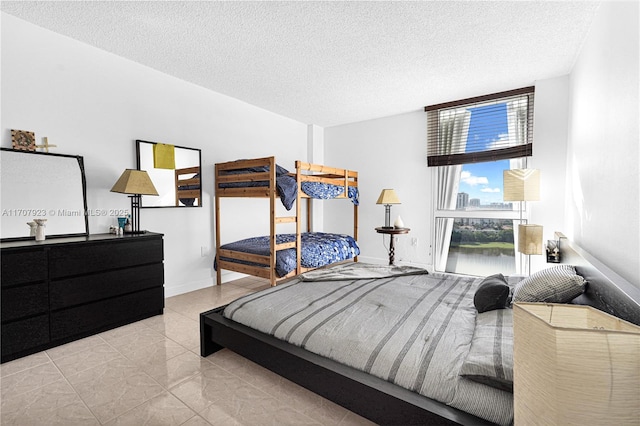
<point x="329" y="63"/>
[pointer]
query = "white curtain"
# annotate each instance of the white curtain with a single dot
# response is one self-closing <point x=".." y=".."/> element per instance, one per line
<point x="453" y="130"/>
<point x="517" y="127"/>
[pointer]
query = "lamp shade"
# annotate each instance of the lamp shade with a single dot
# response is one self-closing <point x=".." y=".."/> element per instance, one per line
<point x="135" y="182"/>
<point x="388" y="196"/>
<point x="574" y="365"/>
<point x="521" y="185"/>
<point x="530" y="239"/>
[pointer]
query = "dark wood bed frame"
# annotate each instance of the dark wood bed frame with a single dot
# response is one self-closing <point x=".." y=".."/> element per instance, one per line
<point x="378" y="400"/>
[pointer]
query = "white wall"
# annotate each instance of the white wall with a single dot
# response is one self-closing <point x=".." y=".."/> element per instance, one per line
<point x="315" y="155"/>
<point x="95" y="104"/>
<point x="387" y="153"/>
<point x="391" y="153"/>
<point x="603" y="188"/>
<point x="550" y="157"/>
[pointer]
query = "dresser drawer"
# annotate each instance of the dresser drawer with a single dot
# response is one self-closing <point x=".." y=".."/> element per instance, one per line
<point x="25" y="334"/>
<point x="90" y="288"/>
<point x="66" y="261"/>
<point x="63" y="289"/>
<point x="106" y="314"/>
<point x="23" y="266"/>
<point x="25" y="300"/>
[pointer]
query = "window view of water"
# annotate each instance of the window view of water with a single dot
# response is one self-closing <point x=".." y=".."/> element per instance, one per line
<point x="481" y="262"/>
<point x="482" y="247"/>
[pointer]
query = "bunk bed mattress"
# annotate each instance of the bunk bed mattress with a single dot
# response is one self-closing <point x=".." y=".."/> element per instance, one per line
<point x="318" y="249"/>
<point x="188" y="201"/>
<point x="411" y="330"/>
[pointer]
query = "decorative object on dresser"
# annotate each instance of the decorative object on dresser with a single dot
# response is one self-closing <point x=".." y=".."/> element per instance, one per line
<point x="388" y="197"/>
<point x="23" y="140"/>
<point x="574" y="365"/>
<point x="40" y="225"/>
<point x="136" y="183"/>
<point x="33" y="227"/>
<point x="64" y="289"/>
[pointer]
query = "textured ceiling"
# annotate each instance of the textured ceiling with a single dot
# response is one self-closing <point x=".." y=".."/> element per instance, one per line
<point x="330" y="63"/>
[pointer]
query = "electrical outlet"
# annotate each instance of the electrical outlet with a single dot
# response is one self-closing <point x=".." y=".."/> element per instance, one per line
<point x="414" y="241"/>
<point x="203" y="251"/>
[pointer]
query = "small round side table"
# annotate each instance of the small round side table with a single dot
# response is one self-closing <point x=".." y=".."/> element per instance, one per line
<point x="392" y="232"/>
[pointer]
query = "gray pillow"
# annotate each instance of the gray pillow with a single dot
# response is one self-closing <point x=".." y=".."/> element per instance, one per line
<point x="559" y="284"/>
<point x="492" y="293"/>
<point x="490" y="358"/>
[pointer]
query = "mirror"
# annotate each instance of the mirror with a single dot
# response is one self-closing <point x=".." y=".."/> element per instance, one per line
<point x="179" y="185"/>
<point x="39" y="185"/>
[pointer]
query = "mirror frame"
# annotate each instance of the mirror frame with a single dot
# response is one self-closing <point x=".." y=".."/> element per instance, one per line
<point x="80" y="160"/>
<point x="140" y="141"/>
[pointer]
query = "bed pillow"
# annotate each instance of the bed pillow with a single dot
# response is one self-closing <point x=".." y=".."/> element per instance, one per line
<point x="490" y="359"/>
<point x="492" y="293"/>
<point x="559" y="284"/>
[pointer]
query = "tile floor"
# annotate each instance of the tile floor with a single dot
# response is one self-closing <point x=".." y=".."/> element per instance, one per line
<point x="150" y="373"/>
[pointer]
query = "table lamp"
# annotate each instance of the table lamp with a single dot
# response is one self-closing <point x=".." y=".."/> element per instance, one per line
<point x="136" y="183"/>
<point x="388" y="197"/>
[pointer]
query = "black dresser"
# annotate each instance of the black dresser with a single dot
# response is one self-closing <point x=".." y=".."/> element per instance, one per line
<point x="64" y="289"/>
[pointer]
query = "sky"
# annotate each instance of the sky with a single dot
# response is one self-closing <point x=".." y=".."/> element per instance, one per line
<point x="484" y="180"/>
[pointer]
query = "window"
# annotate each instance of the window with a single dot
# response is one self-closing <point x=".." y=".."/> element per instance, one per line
<point x="470" y="143"/>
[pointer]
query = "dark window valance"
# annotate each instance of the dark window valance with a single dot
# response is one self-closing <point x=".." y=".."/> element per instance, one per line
<point x="448" y="128"/>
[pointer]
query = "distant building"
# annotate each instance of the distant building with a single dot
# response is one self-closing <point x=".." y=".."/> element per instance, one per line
<point x="462" y="201"/>
<point x="474" y="202"/>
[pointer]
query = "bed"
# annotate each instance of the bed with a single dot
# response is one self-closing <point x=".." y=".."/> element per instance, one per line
<point x="278" y="256"/>
<point x="307" y="356"/>
<point x="187" y="183"/>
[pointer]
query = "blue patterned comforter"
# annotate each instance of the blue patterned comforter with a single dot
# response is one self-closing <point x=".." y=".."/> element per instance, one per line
<point x="318" y="249"/>
<point x="288" y="188"/>
<point x="326" y="191"/>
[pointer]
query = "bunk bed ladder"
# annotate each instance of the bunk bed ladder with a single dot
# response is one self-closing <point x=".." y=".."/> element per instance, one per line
<point x="217" y="220"/>
<point x="298" y="210"/>
<point x="272" y="225"/>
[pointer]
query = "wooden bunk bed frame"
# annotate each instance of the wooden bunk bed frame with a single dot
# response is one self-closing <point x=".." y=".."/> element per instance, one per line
<point x="181" y="183"/>
<point x="378" y="400"/>
<point x="305" y="172"/>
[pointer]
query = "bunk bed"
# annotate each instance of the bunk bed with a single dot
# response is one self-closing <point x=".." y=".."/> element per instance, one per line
<point x="187" y="183"/>
<point x="293" y="338"/>
<point x="279" y="256"/>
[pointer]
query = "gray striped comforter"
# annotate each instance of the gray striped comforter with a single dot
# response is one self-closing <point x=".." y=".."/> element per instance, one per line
<point x="411" y="330"/>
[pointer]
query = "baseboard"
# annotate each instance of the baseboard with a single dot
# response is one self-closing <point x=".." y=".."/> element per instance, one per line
<point x="175" y="290"/>
<point x="385" y="261"/>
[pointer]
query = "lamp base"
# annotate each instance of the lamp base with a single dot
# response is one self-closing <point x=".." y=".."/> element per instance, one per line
<point x="135" y="232"/>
